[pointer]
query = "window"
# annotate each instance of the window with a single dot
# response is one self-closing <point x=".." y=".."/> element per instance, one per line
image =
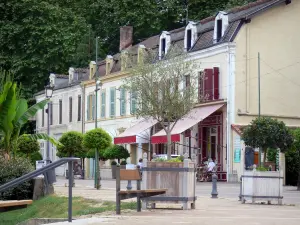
<point x="187" y="81"/>
<point x="90" y="107"/>
<point x="70" y="109"/>
<point x="122" y="102"/>
<point x="163" y="47"/>
<point x="103" y="99"/>
<point x="43" y="117"/>
<point x="79" y="108"/>
<point x="189" y="39"/>
<point x="112" y="102"/>
<point x="51" y="113"/>
<point x="219" y="29"/>
<point x="133" y="103"/>
<point x="60" y="112"/>
<point x="93" y="100"/>
<point x="208" y="86"/>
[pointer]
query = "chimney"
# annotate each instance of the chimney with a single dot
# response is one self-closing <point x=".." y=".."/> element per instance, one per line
<point x="125" y="37"/>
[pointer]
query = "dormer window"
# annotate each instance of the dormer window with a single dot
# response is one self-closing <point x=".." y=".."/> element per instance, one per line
<point x="163" y="47"/>
<point x="109" y="64"/>
<point x="219" y="30"/>
<point x="190" y="35"/>
<point x="164" y="43"/>
<point x="221" y="24"/>
<point x="189" y="39"/>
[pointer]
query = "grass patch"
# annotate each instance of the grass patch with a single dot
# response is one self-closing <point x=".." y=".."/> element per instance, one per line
<point x="57" y="207"/>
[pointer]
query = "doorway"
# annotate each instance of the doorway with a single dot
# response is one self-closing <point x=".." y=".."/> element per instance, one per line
<point x="213" y="143"/>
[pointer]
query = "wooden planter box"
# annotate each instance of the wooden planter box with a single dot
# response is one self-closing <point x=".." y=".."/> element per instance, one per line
<point x="178" y="178"/>
<point x="262" y="186"/>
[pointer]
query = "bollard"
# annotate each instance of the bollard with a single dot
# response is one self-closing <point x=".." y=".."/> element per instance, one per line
<point x="129" y="187"/>
<point x="214" y="192"/>
<point x="241" y="186"/>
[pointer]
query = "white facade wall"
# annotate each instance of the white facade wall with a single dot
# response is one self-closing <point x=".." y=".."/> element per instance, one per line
<point x="56" y="130"/>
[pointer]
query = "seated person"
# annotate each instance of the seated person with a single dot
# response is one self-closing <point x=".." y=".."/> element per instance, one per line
<point x="211" y="165"/>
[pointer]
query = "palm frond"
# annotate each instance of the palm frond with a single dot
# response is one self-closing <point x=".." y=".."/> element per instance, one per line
<point x="46" y="137"/>
<point x="31" y="112"/>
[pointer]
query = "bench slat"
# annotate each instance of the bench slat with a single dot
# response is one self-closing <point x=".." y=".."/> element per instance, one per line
<point x="14" y="203"/>
<point x="142" y="191"/>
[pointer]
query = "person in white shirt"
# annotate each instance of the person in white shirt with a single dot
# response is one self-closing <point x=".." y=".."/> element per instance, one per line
<point x="211" y="165"/>
<point x="140" y="163"/>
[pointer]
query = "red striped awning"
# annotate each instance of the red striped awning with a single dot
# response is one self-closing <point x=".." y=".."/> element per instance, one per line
<point x="132" y="134"/>
<point x="192" y="118"/>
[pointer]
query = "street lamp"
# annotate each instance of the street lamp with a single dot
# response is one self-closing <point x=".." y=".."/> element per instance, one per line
<point x="48" y="93"/>
<point x="98" y="86"/>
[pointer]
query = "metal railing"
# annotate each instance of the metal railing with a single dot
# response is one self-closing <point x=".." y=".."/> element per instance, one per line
<point x="44" y="170"/>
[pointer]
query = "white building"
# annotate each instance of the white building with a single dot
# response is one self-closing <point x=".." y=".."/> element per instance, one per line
<point x="65" y="109"/>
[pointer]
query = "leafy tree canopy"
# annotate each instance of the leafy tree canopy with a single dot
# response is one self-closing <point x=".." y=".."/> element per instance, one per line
<point x="116" y="152"/>
<point x="71" y="145"/>
<point x="97" y="139"/>
<point x="27" y="145"/>
<point x="42" y="36"/>
<point x="265" y="132"/>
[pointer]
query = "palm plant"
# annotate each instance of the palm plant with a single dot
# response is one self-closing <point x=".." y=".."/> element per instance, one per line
<point x="14" y="113"/>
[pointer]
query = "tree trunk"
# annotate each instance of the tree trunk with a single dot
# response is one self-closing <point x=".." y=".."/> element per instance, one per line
<point x="298" y="184"/>
<point x="169" y="144"/>
<point x="265" y="156"/>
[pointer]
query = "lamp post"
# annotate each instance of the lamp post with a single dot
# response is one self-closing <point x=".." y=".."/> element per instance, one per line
<point x="48" y="93"/>
<point x="97" y="172"/>
<point x="98" y="85"/>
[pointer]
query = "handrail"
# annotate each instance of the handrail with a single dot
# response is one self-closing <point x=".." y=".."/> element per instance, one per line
<point x="45" y="169"/>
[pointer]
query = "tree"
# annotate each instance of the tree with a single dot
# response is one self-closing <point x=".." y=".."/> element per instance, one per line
<point x="27" y="145"/>
<point x="96" y="140"/>
<point x="37" y="38"/>
<point x="116" y="152"/>
<point x="296" y="145"/>
<point x="157" y="86"/>
<point x="14" y="113"/>
<point x="71" y="145"/>
<point x="265" y="132"/>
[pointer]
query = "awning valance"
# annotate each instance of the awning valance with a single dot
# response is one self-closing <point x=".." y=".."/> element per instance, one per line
<point x="136" y="132"/>
<point x="192" y="118"/>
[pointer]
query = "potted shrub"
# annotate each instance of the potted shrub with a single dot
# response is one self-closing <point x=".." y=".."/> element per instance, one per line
<point x="113" y="169"/>
<point x="116" y="152"/>
<point x="177" y="175"/>
<point x="123" y="164"/>
<point x="260" y="184"/>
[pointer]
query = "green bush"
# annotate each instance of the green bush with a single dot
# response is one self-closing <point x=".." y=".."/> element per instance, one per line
<point x="113" y="163"/>
<point x="116" y="152"/>
<point x="271" y="154"/>
<point x="27" y="145"/>
<point x="71" y="145"/>
<point x="12" y="169"/>
<point x="292" y="162"/>
<point x="123" y="162"/>
<point x="261" y="168"/>
<point x="35" y="157"/>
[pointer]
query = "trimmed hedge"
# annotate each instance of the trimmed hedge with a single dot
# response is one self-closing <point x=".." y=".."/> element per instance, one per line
<point x="12" y="169"/>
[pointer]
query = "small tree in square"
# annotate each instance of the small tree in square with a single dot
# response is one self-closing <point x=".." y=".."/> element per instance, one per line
<point x="296" y="146"/>
<point x="164" y="90"/>
<point x="265" y="132"/>
<point x="71" y="145"/>
<point x="116" y="152"/>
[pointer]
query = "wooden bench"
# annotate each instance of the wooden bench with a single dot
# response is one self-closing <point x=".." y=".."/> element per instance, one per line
<point x="12" y="205"/>
<point x="131" y="175"/>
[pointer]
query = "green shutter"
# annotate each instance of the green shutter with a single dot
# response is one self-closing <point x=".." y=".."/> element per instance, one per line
<point x="93" y="107"/>
<point x="103" y="104"/>
<point x="123" y="102"/>
<point x="133" y="103"/>
<point x="88" y="108"/>
<point x="112" y="101"/>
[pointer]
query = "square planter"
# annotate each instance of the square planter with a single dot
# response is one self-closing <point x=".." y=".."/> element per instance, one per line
<point x="262" y="186"/>
<point x="178" y="177"/>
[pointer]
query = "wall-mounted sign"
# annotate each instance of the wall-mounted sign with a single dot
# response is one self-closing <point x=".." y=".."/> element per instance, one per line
<point x="237" y="149"/>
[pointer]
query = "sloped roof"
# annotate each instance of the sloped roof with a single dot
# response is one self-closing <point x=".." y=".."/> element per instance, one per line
<point x="205" y="30"/>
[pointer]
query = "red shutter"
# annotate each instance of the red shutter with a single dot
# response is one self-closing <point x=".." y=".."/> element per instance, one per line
<point x="208" y="84"/>
<point x="216" y="83"/>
